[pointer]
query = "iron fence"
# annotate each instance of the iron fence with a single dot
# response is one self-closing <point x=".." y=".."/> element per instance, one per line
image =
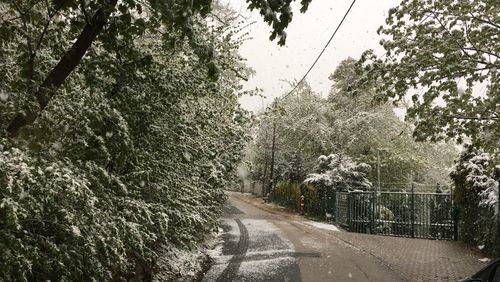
<point x="416" y="215"/>
<point x="406" y="214"/>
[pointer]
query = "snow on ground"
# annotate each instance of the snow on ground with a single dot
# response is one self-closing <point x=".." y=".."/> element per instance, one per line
<point x="262" y="270"/>
<point x="265" y="236"/>
<point x="321" y="225"/>
<point x="484" y="260"/>
<point x="231" y="235"/>
<point x="268" y="256"/>
<point x="177" y="264"/>
<point x="311" y="243"/>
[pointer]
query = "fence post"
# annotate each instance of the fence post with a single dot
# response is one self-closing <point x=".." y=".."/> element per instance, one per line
<point x="349" y="210"/>
<point x="373" y="206"/>
<point x="325" y="208"/>
<point x="412" y="209"/>
<point x="334" y="208"/>
<point x="454" y="215"/>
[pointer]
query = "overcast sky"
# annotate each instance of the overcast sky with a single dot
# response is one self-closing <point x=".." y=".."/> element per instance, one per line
<point x="307" y="34"/>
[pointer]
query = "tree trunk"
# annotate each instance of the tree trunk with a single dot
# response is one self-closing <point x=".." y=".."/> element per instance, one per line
<point x="64" y="67"/>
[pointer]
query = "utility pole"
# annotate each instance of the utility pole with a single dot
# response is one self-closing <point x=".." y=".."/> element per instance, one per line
<point x="273" y="144"/>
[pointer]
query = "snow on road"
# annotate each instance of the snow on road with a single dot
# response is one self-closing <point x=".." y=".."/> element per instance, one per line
<point x="267" y="256"/>
<point x="321" y="225"/>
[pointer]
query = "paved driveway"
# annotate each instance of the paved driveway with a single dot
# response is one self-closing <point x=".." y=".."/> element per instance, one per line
<point x="405" y="258"/>
<point x="259" y="245"/>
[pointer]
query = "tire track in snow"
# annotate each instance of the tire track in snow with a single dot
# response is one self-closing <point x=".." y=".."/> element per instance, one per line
<point x="234" y="264"/>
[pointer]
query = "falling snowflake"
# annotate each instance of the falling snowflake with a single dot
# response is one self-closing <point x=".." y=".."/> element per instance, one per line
<point x="109" y="134"/>
<point x="57" y="146"/>
<point x="4" y="96"/>
<point x="75" y="230"/>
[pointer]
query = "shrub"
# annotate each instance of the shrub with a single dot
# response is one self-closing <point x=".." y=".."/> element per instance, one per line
<point x="475" y="180"/>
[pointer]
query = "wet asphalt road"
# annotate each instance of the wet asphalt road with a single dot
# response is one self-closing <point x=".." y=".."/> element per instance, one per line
<point x="260" y="246"/>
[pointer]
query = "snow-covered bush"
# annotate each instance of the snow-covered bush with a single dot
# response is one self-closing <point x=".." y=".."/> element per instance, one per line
<point x="55" y="226"/>
<point x="340" y="172"/>
<point x="130" y="157"/>
<point x="292" y="168"/>
<point x="476" y="194"/>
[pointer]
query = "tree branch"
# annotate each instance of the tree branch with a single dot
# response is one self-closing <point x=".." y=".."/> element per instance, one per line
<point x="472" y="118"/>
<point x="46" y="26"/>
<point x="484" y="21"/>
<point x="64" y="67"/>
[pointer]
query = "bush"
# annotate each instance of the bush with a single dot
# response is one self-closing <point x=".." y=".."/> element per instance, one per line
<point x="287" y="194"/>
<point x="117" y="168"/>
<point x="474" y="176"/>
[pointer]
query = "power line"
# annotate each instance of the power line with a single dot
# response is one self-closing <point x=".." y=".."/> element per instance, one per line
<point x="271" y="184"/>
<point x="322" y="51"/>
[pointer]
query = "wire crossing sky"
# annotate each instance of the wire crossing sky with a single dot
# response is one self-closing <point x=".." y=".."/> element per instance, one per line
<point x="277" y="66"/>
<point x="322" y="51"/>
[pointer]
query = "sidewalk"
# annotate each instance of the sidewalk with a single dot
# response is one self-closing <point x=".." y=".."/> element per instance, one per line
<point x="415" y="259"/>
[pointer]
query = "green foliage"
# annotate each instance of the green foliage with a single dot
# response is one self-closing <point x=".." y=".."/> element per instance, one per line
<point x="346" y="123"/>
<point x="127" y="128"/>
<point x="472" y="175"/>
<point x="370" y="132"/>
<point x="278" y="14"/>
<point x="340" y="173"/>
<point x="445" y="55"/>
<point x="292" y="168"/>
<point x="311" y="199"/>
<point x="131" y="155"/>
<point x="287" y="194"/>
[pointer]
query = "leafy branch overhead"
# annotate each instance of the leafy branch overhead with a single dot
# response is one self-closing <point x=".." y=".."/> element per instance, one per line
<point x="444" y="56"/>
<point x="111" y="24"/>
<point x="278" y="14"/>
<point x="131" y="153"/>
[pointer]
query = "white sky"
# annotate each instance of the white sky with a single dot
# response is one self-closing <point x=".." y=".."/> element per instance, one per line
<point x="306" y="36"/>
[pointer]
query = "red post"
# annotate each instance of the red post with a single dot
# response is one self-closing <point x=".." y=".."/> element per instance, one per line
<point x="301" y="208"/>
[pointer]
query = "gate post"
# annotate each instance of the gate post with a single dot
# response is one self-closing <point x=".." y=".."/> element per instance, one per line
<point x="412" y="209"/>
<point x="373" y="213"/>
<point x="349" y="210"/>
<point x="454" y="215"/>
<point x="334" y="208"/>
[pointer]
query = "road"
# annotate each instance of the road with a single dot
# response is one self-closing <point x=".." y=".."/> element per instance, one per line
<point x="261" y="246"/>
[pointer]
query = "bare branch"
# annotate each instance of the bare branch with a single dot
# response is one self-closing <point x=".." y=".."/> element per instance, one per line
<point x="472" y="118"/>
<point x="484" y="21"/>
<point x="50" y="16"/>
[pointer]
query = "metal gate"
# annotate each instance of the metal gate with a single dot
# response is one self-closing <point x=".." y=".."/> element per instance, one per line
<point x="417" y="215"/>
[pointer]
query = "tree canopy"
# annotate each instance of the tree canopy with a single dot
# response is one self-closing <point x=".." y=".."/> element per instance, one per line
<point x="445" y="56"/>
<point x="346" y="123"/>
<point x="129" y="155"/>
<point x="68" y="29"/>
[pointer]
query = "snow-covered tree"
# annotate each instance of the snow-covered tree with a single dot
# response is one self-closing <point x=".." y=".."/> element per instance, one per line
<point x="341" y="173"/>
<point x="445" y="55"/>
<point x="368" y="131"/>
<point x="130" y="155"/>
<point x="476" y="194"/>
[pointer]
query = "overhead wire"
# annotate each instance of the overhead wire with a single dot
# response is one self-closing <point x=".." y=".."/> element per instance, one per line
<point x="322" y="51"/>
